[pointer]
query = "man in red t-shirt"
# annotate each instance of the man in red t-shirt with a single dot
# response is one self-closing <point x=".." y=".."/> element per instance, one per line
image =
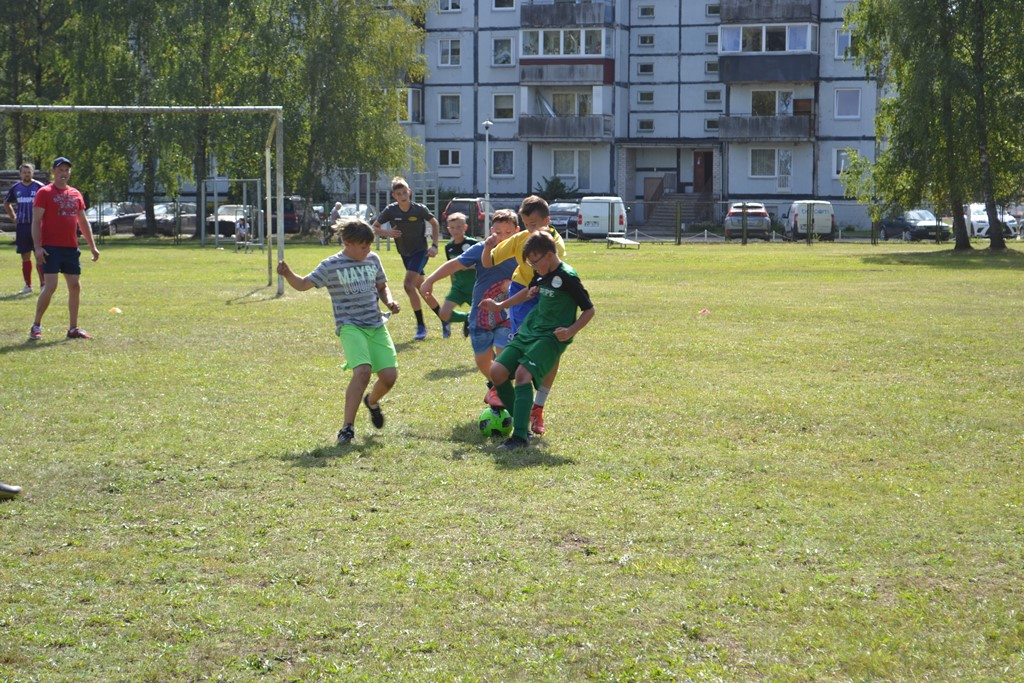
<point x="58" y="213"/>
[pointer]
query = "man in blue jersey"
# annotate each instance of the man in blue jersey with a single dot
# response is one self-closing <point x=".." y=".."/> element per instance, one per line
<point x="19" y="208"/>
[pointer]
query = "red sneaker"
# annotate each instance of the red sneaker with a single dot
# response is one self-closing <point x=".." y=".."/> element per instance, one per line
<point x="36" y="332"/>
<point x="492" y="399"/>
<point x="537" y="420"/>
<point x="78" y="333"/>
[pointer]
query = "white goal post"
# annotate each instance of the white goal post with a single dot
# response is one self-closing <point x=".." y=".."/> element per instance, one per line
<point x="275" y="136"/>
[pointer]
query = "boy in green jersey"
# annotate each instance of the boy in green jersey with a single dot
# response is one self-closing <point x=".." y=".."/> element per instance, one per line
<point x="544" y="335"/>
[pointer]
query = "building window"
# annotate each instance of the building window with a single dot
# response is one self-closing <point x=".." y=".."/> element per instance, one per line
<point x="501" y="52"/>
<point x="771" y="103"/>
<point x="448" y="158"/>
<point x="711" y="125"/>
<point x="504" y="4"/>
<point x="841" y="160"/>
<point x="645" y="126"/>
<point x="846" y="45"/>
<point x="770" y="38"/>
<point x="413" y="105"/>
<point x="451" y="52"/>
<point x="762" y="163"/>
<point x="645" y="97"/>
<point x="847" y="103"/>
<point x="572" y="104"/>
<point x="646" y="11"/>
<point x="449" y="5"/>
<point x="451" y="107"/>
<point x="711" y="67"/>
<point x="711" y="39"/>
<point x="573" y="167"/>
<point x="713" y="10"/>
<point x="504" y="107"/>
<point x="502" y="162"/>
<point x="713" y="96"/>
<point x="570" y="42"/>
<point x="645" y="40"/>
<point x="645" y="69"/>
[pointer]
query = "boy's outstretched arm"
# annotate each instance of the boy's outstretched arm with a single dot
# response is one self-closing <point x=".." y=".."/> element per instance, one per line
<point x="299" y="283"/>
<point x="444" y="270"/>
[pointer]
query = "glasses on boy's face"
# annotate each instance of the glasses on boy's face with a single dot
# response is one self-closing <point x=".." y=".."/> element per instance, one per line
<point x="533" y="262"/>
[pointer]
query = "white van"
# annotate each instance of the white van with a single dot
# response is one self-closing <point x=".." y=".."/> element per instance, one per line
<point x="600" y="216"/>
<point x="814" y="212"/>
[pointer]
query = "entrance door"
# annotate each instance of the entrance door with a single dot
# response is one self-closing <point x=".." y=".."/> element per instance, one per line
<point x="702" y="171"/>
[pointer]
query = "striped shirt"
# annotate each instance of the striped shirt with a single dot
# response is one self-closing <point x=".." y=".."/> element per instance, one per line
<point x="353" y="288"/>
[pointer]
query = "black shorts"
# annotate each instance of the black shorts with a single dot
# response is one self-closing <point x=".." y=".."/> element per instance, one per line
<point x="65" y="260"/>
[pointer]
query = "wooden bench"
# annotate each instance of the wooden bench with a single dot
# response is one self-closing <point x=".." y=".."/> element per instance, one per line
<point x="619" y="239"/>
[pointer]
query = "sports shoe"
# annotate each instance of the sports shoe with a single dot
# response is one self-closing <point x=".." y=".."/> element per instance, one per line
<point x="27" y="289"/>
<point x="446" y="330"/>
<point x="36" y="332"/>
<point x="493" y="400"/>
<point x="421" y="333"/>
<point x="537" y="420"/>
<point x="376" y="415"/>
<point x="346" y="434"/>
<point x="78" y="333"/>
<point x="514" y="442"/>
<point x="8" y="491"/>
<point x="465" y="327"/>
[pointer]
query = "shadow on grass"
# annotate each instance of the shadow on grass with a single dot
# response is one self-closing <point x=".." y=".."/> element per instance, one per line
<point x="976" y="259"/>
<point x="15" y="296"/>
<point x="454" y="372"/>
<point x="30" y="345"/>
<point x="321" y="457"/>
<point x="250" y="296"/>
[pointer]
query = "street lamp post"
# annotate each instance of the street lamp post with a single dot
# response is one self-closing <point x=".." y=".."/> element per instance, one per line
<point x="487" y="176"/>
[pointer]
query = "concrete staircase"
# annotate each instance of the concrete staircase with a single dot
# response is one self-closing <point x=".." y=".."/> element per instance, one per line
<point x="660" y="216"/>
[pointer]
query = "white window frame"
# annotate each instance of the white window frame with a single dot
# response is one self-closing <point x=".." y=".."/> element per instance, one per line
<point x="846" y="117"/>
<point x="492" y="167"/>
<point x="454" y="158"/>
<point x="511" y="107"/>
<point x="645" y="69"/>
<point x="448" y="6"/>
<point x="713" y="10"/>
<point x="840" y="160"/>
<point x="511" y="5"/>
<point x="711" y="66"/>
<point x="713" y="96"/>
<point x="645" y="97"/>
<point x="711" y="125"/>
<point x="579" y="177"/>
<point x="495" y="51"/>
<point x="645" y="126"/>
<point x="645" y="11"/>
<point x="413" y="106"/>
<point x="440" y="108"/>
<point x="844" y="43"/>
<point x="542" y="38"/>
<point x="775" y="162"/>
<point x="730" y="38"/>
<point x="457" y="52"/>
<point x="711" y="39"/>
<point x="645" y="40"/>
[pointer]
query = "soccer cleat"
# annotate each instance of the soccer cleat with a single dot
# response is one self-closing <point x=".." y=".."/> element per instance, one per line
<point x="346" y="434"/>
<point x="465" y="327"/>
<point x="8" y="491"/>
<point x="376" y="414"/>
<point x="36" y="332"/>
<point x="78" y="333"/>
<point x="514" y="442"/>
<point x="421" y="333"/>
<point x="446" y="330"/>
<point x="27" y="289"/>
<point x="537" y="419"/>
<point x="493" y="400"/>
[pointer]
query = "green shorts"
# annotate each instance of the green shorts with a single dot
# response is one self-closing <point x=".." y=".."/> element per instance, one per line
<point x="539" y="356"/>
<point x="367" y="346"/>
<point x="460" y="294"/>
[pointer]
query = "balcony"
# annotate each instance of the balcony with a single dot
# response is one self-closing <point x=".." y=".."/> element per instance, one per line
<point x="565" y="74"/>
<point x="575" y="128"/>
<point x="765" y="128"/>
<point x="536" y="14"/>
<point x="771" y="11"/>
<point x="768" y="68"/>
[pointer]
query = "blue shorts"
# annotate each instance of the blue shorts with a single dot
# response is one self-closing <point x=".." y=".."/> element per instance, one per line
<point x="485" y="340"/>
<point x="517" y="314"/>
<point x="23" y="238"/>
<point x="415" y="262"/>
<point x="65" y="260"/>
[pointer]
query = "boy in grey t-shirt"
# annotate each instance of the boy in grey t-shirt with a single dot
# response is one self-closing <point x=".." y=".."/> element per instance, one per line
<point x="355" y="279"/>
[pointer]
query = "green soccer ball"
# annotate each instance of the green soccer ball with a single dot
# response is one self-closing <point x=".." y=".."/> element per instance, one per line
<point x="495" y="422"/>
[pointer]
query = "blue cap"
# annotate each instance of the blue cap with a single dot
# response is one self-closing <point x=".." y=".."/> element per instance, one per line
<point x="61" y="160"/>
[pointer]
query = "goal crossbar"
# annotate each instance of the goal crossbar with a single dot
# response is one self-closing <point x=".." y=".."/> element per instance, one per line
<point x="275" y="135"/>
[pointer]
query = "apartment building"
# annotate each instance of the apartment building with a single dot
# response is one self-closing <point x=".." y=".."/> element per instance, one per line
<point x="725" y="99"/>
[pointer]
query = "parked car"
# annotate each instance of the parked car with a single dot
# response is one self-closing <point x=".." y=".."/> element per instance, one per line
<point x="365" y="212"/>
<point x="759" y="223"/>
<point x="227" y="219"/>
<point x="564" y="217"/>
<point x="600" y="216"/>
<point x="976" y="218"/>
<point x="106" y="218"/>
<point x="917" y="224"/>
<point x="814" y="212"/>
<point x="476" y="210"/>
<point x="167" y="216"/>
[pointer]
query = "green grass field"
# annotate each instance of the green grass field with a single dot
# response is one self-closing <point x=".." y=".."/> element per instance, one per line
<point x="817" y="479"/>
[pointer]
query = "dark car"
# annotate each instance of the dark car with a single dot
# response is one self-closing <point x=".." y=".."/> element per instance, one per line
<point x="169" y="217"/>
<point x="564" y="217"/>
<point x="476" y="210"/>
<point x="917" y="224"/>
<point x="759" y="223"/>
<point x="109" y="218"/>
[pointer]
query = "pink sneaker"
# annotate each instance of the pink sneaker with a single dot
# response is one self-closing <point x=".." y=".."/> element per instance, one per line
<point x="36" y="332"/>
<point x="78" y="333"/>
<point x="492" y="399"/>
